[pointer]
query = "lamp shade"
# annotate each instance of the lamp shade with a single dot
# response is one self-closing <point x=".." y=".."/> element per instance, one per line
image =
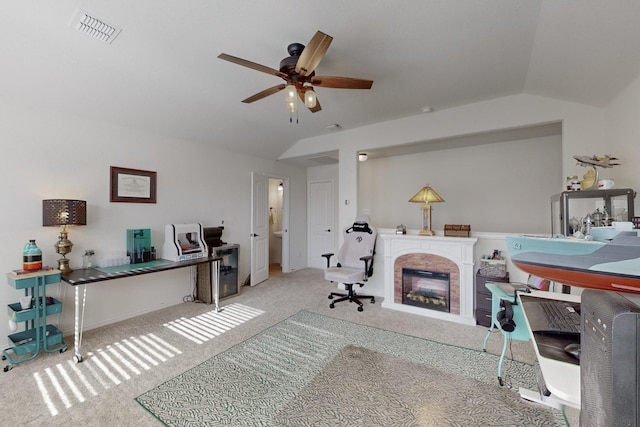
<point x="64" y="212"/>
<point x="426" y="195"/>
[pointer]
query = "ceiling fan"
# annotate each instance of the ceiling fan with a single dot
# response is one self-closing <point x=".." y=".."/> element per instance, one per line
<point x="298" y="70"/>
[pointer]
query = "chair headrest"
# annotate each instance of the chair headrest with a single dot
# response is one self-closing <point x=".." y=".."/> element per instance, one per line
<point x="361" y="224"/>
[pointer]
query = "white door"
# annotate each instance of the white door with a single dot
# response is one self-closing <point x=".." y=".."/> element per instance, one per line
<point x="259" y="228"/>
<point x="320" y="222"/>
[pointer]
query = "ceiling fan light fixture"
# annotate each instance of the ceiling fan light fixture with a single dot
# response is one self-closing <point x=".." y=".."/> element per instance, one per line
<point x="310" y="99"/>
<point x="290" y="93"/>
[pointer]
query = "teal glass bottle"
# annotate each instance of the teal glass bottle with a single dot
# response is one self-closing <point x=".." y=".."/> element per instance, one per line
<point x="31" y="257"/>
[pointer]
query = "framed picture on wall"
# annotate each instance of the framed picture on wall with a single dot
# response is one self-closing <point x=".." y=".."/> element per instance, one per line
<point x="132" y="185"/>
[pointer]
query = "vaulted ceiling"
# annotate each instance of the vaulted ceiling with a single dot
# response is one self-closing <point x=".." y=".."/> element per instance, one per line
<point x="161" y="73"/>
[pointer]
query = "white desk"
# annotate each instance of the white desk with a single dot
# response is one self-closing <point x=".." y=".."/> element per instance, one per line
<point x="562" y="379"/>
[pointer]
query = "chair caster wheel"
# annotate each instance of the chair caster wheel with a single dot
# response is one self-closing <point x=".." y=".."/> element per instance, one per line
<point x="77" y="358"/>
<point x="4" y="357"/>
<point x="373" y="301"/>
<point x="62" y="350"/>
<point x="360" y="308"/>
<point x="500" y="381"/>
<point x="8" y="368"/>
<point x="330" y="296"/>
<point x="332" y="305"/>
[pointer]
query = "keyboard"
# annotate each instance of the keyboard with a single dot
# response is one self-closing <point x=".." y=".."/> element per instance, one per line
<point x="561" y="318"/>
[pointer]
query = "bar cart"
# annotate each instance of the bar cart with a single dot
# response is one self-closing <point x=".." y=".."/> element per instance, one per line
<point x="37" y="335"/>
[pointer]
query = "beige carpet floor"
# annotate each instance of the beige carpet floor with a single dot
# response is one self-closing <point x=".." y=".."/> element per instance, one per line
<point x="126" y="359"/>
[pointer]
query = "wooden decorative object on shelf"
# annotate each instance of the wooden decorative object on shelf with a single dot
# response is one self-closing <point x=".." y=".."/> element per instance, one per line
<point x="457" y="230"/>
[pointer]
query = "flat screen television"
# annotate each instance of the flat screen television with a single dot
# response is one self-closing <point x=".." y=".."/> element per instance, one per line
<point x="610" y="359"/>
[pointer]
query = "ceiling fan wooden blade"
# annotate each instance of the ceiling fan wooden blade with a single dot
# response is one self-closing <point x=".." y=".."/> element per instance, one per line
<point x="340" y="82"/>
<point x="313" y="53"/>
<point x="252" y="65"/>
<point x="314" y="109"/>
<point x="258" y="96"/>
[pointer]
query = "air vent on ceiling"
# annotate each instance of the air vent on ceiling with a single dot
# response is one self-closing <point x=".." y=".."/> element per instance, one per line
<point x="94" y="27"/>
<point x="322" y="160"/>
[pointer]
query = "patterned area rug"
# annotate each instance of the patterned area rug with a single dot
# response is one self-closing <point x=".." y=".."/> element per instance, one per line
<point x="314" y="370"/>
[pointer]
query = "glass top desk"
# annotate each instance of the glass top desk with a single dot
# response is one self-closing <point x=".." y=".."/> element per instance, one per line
<point x="82" y="277"/>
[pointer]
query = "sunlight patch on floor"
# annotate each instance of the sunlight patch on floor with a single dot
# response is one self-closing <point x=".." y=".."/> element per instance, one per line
<point x="69" y="383"/>
<point x="207" y="326"/>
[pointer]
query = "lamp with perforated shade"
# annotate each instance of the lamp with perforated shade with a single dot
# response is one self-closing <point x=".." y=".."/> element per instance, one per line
<point x="426" y="195"/>
<point x="64" y="212"/>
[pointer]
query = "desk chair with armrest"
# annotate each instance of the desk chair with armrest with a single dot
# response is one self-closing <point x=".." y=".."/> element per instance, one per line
<point x="354" y="262"/>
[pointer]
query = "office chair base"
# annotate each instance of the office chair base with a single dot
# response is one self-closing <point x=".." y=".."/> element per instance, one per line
<point x="351" y="297"/>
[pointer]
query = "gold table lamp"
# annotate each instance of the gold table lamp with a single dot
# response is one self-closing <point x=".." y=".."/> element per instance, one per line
<point x="426" y="195"/>
<point x="64" y="212"/>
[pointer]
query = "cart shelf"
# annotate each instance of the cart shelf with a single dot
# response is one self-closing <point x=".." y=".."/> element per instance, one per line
<point x="37" y="335"/>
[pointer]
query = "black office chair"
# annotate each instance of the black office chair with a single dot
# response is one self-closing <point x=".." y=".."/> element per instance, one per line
<point x="354" y="262"/>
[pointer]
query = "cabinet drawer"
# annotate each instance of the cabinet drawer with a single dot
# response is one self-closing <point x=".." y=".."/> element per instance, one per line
<point x="483" y="302"/>
<point x="481" y="289"/>
<point x="483" y="318"/>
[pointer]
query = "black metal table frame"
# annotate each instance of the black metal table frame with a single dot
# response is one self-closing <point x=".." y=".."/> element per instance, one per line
<point x="80" y="278"/>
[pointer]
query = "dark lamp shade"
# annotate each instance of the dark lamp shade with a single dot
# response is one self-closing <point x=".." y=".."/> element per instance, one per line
<point x="64" y="212"/>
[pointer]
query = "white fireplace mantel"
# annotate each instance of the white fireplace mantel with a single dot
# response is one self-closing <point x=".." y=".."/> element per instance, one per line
<point x="457" y="249"/>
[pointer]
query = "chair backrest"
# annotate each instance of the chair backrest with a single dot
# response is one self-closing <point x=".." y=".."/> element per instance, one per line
<point x="359" y="241"/>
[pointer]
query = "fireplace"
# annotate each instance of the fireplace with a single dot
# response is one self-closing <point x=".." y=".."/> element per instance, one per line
<point x="426" y="289"/>
<point x="450" y="258"/>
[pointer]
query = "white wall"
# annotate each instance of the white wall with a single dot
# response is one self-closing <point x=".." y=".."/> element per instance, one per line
<point x="623" y="138"/>
<point x="583" y="130"/>
<point x="45" y="155"/>
<point x="498" y="187"/>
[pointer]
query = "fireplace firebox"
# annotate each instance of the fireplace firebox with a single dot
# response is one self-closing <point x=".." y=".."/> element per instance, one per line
<point x="426" y="289"/>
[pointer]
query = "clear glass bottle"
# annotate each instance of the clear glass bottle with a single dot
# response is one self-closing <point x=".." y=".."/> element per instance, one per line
<point x="89" y="259"/>
<point x="31" y="257"/>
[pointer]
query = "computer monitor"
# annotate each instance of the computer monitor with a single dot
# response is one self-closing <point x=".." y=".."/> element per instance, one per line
<point x="610" y="359"/>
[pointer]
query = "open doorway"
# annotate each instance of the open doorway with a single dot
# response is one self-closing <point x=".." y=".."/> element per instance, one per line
<point x="269" y="226"/>
<point x="276" y="208"/>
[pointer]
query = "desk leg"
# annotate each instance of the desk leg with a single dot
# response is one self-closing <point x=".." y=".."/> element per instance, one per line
<point x="79" y="321"/>
<point x="486" y="339"/>
<point x="504" y="351"/>
<point x="214" y="270"/>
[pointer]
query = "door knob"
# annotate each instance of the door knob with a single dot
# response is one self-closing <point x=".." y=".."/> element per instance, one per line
<point x="255" y="235"/>
<point x="328" y="230"/>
